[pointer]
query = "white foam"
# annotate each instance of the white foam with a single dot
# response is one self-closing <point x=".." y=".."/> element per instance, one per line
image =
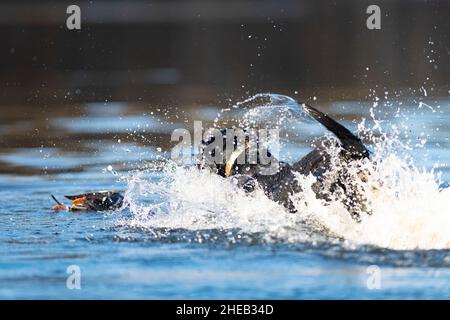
<point x="408" y="210"/>
<point x="195" y="200"/>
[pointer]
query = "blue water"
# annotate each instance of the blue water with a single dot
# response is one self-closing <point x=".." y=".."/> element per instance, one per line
<point x="118" y="262"/>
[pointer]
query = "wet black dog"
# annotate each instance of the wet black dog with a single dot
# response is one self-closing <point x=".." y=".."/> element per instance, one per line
<point x="332" y="181"/>
<point x="282" y="184"/>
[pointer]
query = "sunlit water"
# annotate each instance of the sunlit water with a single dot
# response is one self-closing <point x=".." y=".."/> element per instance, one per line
<point x="191" y="234"/>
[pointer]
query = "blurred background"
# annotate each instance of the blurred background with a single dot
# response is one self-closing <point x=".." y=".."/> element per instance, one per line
<point x="136" y="56"/>
<point x="204" y="50"/>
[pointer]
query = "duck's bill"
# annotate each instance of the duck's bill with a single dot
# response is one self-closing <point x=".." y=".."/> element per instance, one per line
<point x="59" y="207"/>
<point x="78" y="204"/>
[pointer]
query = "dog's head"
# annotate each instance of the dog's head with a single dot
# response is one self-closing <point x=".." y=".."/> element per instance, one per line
<point x="229" y="152"/>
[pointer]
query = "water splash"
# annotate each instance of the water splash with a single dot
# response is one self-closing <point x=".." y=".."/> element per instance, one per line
<point x="409" y="210"/>
<point x="195" y="200"/>
<point x="266" y="110"/>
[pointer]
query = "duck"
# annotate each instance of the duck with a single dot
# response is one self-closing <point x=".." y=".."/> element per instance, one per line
<point x="98" y="201"/>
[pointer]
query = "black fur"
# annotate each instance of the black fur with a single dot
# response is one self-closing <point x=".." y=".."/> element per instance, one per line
<point x="282" y="184"/>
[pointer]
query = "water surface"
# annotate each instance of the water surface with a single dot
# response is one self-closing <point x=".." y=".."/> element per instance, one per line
<point x="123" y="255"/>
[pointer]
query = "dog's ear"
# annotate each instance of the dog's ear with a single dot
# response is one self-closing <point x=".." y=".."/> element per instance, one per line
<point x="351" y="143"/>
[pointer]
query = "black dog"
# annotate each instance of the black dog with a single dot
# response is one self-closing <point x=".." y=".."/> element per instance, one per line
<point x="282" y="184"/>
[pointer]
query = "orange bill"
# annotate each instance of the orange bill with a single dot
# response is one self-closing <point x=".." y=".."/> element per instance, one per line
<point x="59" y="207"/>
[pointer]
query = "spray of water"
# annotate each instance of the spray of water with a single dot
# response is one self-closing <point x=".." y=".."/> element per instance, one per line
<point x="408" y="210"/>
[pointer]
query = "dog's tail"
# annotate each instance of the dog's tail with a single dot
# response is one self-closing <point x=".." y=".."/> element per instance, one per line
<point x="348" y="140"/>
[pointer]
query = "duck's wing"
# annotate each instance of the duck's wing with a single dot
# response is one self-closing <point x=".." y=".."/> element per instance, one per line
<point x="97" y="194"/>
<point x="104" y="201"/>
<point x="78" y="196"/>
<point x="96" y="201"/>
